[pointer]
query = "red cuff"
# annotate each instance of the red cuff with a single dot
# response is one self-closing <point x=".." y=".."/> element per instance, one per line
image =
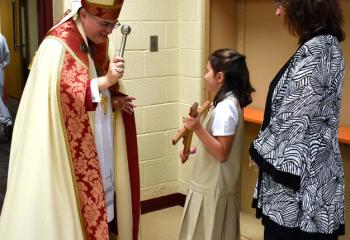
<point x="114" y="90"/>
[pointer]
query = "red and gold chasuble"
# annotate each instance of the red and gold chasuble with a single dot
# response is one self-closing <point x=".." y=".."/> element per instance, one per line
<point x="73" y="87"/>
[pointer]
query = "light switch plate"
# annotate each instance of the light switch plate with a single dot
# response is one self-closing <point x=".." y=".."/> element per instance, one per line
<point x="154" y="43"/>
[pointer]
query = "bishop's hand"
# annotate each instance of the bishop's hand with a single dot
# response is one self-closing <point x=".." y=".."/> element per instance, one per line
<point x="124" y="103"/>
<point x="114" y="73"/>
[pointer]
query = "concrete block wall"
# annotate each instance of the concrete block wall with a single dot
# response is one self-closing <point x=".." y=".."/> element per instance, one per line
<point x="165" y="84"/>
<point x="192" y="14"/>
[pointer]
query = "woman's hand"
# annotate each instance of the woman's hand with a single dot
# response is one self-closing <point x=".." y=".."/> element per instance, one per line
<point x="124" y="103"/>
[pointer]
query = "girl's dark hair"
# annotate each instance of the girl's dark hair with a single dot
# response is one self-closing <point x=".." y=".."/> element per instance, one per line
<point x="236" y="80"/>
<point x="304" y="18"/>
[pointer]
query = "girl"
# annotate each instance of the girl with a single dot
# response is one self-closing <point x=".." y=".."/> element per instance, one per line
<point x="213" y="201"/>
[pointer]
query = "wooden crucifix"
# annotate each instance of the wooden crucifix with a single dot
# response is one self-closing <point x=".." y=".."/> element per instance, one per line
<point x="186" y="134"/>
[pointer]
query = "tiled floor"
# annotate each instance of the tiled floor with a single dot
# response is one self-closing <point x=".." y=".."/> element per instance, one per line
<point x="5" y="151"/>
<point x="162" y="225"/>
<point x="251" y="227"/>
<point x="165" y="225"/>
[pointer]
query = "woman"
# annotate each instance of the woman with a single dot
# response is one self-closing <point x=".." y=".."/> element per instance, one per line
<point x="300" y="190"/>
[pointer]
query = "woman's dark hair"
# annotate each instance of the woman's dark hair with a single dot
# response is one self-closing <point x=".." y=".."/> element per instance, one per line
<point x="304" y="18"/>
<point x="236" y="80"/>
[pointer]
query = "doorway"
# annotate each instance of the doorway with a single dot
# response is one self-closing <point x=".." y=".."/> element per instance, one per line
<point x="11" y="28"/>
<point x="19" y="24"/>
<point x="221" y="28"/>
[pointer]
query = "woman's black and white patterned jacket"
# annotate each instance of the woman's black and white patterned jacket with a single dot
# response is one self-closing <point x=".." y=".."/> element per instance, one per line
<point x="298" y="151"/>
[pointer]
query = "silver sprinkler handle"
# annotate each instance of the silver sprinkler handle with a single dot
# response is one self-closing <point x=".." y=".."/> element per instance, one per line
<point x="125" y="29"/>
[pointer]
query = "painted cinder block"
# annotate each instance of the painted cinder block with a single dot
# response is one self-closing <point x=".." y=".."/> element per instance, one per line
<point x="142" y="175"/>
<point x="136" y="38"/>
<point x="148" y="91"/>
<point x="190" y="90"/>
<point x="134" y="65"/>
<point x="172" y="35"/>
<point x="131" y="11"/>
<point x="191" y="35"/>
<point x="139" y="37"/>
<point x="152" y="91"/>
<point x="162" y="63"/>
<point x="160" y="10"/>
<point x="161" y="189"/>
<point x="170" y="149"/>
<point x="191" y="64"/>
<point x="154" y="29"/>
<point x="138" y="111"/>
<point x="162" y="117"/>
<point x="191" y="10"/>
<point x="160" y="171"/>
<point x="151" y="146"/>
<point x="171" y="89"/>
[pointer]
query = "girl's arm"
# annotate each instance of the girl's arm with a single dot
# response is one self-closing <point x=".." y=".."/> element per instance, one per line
<point x="219" y="147"/>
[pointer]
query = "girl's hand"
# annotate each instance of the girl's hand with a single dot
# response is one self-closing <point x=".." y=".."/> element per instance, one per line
<point x="185" y="156"/>
<point x="124" y="103"/>
<point x="192" y="123"/>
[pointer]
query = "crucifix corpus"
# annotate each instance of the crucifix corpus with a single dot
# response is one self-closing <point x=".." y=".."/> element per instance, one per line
<point x="186" y="134"/>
